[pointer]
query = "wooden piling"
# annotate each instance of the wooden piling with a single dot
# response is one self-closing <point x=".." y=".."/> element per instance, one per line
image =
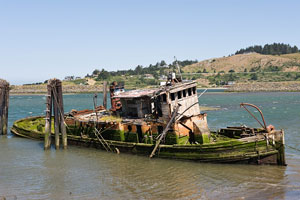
<point x="4" y="103"/>
<point x="61" y="111"/>
<point x="55" y="102"/>
<point x="105" y="94"/>
<point x="48" y="126"/>
<point x="56" y="124"/>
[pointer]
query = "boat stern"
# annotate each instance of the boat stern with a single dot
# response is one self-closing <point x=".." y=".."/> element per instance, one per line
<point x="278" y="140"/>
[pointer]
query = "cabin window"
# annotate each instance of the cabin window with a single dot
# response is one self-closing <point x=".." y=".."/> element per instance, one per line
<point x="172" y="96"/>
<point x="164" y="97"/>
<point x="194" y="90"/>
<point x="190" y="91"/>
<point x="179" y="94"/>
<point x="184" y="93"/>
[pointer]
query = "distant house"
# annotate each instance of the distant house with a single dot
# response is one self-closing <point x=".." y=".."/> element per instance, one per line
<point x="69" y="78"/>
<point x="77" y="77"/>
<point x="230" y="82"/>
<point x="148" y="76"/>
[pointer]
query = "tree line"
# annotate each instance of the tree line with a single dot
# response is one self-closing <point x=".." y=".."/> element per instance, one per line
<point x="155" y="69"/>
<point x="270" y="49"/>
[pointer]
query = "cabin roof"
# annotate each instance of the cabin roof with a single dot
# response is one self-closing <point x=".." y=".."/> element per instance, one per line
<point x="137" y="93"/>
<point x="150" y="92"/>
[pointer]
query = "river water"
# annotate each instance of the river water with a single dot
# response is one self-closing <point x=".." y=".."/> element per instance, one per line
<point x="29" y="172"/>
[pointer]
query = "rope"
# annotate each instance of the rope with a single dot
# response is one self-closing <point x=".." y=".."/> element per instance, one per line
<point x="202" y="93"/>
<point x="96" y="132"/>
<point x="99" y="139"/>
<point x="292" y="147"/>
<point x="180" y="114"/>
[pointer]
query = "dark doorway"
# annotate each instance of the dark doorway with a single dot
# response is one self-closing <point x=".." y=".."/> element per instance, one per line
<point x="139" y="132"/>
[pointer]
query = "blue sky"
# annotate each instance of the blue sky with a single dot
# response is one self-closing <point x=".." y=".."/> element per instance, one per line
<point x="46" y="39"/>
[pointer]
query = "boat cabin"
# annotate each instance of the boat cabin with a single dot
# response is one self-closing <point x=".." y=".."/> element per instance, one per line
<point x="160" y="102"/>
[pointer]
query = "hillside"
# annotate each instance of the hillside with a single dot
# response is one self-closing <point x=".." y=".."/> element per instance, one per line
<point x="251" y="71"/>
<point x="250" y="62"/>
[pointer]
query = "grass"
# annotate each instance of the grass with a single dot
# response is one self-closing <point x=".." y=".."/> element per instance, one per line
<point x="262" y="76"/>
<point x="240" y="62"/>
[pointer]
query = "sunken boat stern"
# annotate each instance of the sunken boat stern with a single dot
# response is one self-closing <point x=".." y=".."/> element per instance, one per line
<point x="278" y="140"/>
<point x="275" y="139"/>
<point x="265" y="147"/>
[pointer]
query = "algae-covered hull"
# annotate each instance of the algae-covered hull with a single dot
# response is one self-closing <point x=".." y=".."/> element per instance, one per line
<point x="259" y="149"/>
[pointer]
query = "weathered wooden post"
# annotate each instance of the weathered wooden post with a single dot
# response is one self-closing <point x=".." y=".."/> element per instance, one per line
<point x="56" y="118"/>
<point x="55" y="102"/>
<point x="105" y="94"/>
<point x="48" y="119"/>
<point x="4" y="102"/>
<point x="61" y="116"/>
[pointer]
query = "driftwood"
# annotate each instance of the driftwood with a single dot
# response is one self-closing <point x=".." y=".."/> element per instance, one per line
<point x="4" y="102"/>
<point x="54" y="102"/>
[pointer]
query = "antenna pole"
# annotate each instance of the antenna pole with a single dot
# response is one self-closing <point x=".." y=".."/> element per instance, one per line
<point x="176" y="62"/>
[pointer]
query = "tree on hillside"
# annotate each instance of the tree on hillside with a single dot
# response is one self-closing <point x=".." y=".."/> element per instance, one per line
<point x="254" y="77"/>
<point x="161" y="71"/>
<point x="270" y="49"/>
<point x="96" y="72"/>
<point x="162" y="63"/>
<point x="87" y="76"/>
<point x="104" y="75"/>
<point x="159" y="67"/>
<point x="138" y="70"/>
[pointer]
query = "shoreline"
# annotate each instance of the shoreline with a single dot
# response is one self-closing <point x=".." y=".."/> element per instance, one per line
<point x="284" y="86"/>
<point x="73" y="93"/>
<point x="288" y="86"/>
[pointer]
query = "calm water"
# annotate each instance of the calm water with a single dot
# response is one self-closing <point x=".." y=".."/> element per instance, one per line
<point x="29" y="172"/>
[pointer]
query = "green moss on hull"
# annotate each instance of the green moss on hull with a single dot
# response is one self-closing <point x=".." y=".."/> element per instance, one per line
<point x="224" y="150"/>
<point x="202" y="138"/>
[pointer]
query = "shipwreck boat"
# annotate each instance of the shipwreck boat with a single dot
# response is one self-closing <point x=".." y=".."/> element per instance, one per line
<point x="163" y="122"/>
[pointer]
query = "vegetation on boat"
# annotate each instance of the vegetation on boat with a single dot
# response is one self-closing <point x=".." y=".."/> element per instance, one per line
<point x="111" y="118"/>
<point x="37" y="124"/>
